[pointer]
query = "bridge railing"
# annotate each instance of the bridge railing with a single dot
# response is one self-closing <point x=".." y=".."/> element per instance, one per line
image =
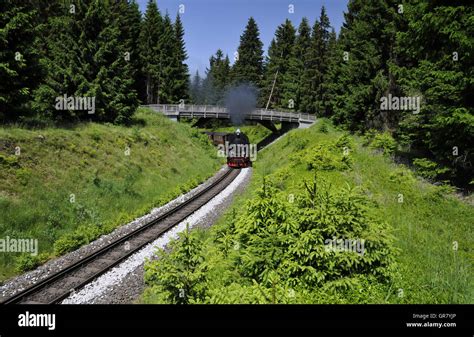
<point x="175" y="109"/>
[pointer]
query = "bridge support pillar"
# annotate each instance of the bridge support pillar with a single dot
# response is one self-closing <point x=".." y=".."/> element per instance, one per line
<point x="269" y="125"/>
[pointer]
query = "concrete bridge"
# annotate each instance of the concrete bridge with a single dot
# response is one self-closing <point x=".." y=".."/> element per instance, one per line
<point x="265" y="117"/>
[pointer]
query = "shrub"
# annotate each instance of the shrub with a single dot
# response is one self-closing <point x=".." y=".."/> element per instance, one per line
<point x="323" y="127"/>
<point x="385" y="142"/>
<point x="180" y="276"/>
<point x="26" y="261"/>
<point x="81" y="236"/>
<point x="429" y="169"/>
<point x="9" y="161"/>
<point x="329" y="156"/>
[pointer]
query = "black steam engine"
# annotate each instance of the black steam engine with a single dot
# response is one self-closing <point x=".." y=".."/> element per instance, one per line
<point x="236" y="146"/>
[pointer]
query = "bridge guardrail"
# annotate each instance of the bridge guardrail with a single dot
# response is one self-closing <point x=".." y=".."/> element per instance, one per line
<point x="192" y="110"/>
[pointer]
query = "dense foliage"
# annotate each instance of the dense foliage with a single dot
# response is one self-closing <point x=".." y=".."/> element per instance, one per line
<point x="102" y="50"/>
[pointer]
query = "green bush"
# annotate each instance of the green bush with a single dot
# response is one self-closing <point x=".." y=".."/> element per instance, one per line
<point x="178" y="277"/>
<point x="323" y="127"/>
<point x="429" y="169"/>
<point x="8" y="161"/>
<point x="81" y="236"/>
<point x="385" y="142"/>
<point x="26" y="261"/>
<point x="327" y="156"/>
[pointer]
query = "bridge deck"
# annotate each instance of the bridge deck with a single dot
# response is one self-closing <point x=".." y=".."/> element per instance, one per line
<point x="213" y="111"/>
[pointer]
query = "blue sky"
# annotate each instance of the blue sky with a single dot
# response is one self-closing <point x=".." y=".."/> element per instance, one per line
<point x="213" y="24"/>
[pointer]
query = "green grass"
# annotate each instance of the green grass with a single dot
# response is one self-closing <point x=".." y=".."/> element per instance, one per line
<point x="427" y="222"/>
<point x="71" y="185"/>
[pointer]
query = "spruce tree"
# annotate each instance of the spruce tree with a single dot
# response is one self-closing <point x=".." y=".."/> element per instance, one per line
<point x="196" y="89"/>
<point x="181" y="79"/>
<point x="277" y="64"/>
<point x="130" y="23"/>
<point x="317" y="58"/>
<point x="19" y="60"/>
<point x="249" y="65"/>
<point x="359" y="75"/>
<point x="169" y="61"/>
<point x="151" y="51"/>
<point x="433" y="60"/>
<point x="87" y="59"/>
<point x="217" y="78"/>
<point x="294" y="89"/>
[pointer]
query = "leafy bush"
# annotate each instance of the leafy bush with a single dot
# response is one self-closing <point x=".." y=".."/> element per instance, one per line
<point x="385" y="142"/>
<point x="323" y="127"/>
<point x="277" y="251"/>
<point x="8" y="161"/>
<point x="26" y="261"/>
<point x="81" y="236"/>
<point x="180" y="276"/>
<point x="429" y="169"/>
<point x="329" y="156"/>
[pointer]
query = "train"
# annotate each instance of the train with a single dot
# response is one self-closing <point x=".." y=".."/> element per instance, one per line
<point x="235" y="145"/>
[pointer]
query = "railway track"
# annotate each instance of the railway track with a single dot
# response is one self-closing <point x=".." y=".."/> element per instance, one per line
<point x="61" y="284"/>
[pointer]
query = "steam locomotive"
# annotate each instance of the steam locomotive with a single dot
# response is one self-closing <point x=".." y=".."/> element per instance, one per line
<point x="238" y="150"/>
<point x="236" y="146"/>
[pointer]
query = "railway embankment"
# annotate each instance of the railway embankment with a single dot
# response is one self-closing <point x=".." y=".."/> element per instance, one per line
<point x="64" y="187"/>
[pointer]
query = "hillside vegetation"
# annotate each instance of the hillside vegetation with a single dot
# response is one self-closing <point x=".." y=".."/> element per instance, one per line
<point x="65" y="187"/>
<point x="310" y="186"/>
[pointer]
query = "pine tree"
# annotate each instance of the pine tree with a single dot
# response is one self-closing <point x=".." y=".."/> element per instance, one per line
<point x="294" y="90"/>
<point x="151" y="51"/>
<point x="20" y="71"/>
<point x="359" y="75"/>
<point x="249" y="65"/>
<point x="277" y="64"/>
<point x="130" y="24"/>
<point x="181" y="80"/>
<point x="433" y="60"/>
<point x="218" y="78"/>
<point x="196" y="89"/>
<point x="87" y="59"/>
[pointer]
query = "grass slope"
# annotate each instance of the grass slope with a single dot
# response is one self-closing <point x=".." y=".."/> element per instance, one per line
<point x="68" y="186"/>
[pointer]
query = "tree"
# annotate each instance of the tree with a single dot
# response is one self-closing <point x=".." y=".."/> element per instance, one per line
<point x="317" y="58"/>
<point x="87" y="60"/>
<point x="294" y="90"/>
<point x="196" y="89"/>
<point x="130" y="19"/>
<point x="151" y="51"/>
<point x="181" y="79"/>
<point x="277" y="64"/>
<point x="19" y="60"/>
<point x="433" y="60"/>
<point x="218" y="77"/>
<point x="249" y="65"/>
<point x="169" y="60"/>
<point x="359" y="74"/>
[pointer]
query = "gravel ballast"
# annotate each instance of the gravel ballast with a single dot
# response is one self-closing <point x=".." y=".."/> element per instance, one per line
<point x="124" y="283"/>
